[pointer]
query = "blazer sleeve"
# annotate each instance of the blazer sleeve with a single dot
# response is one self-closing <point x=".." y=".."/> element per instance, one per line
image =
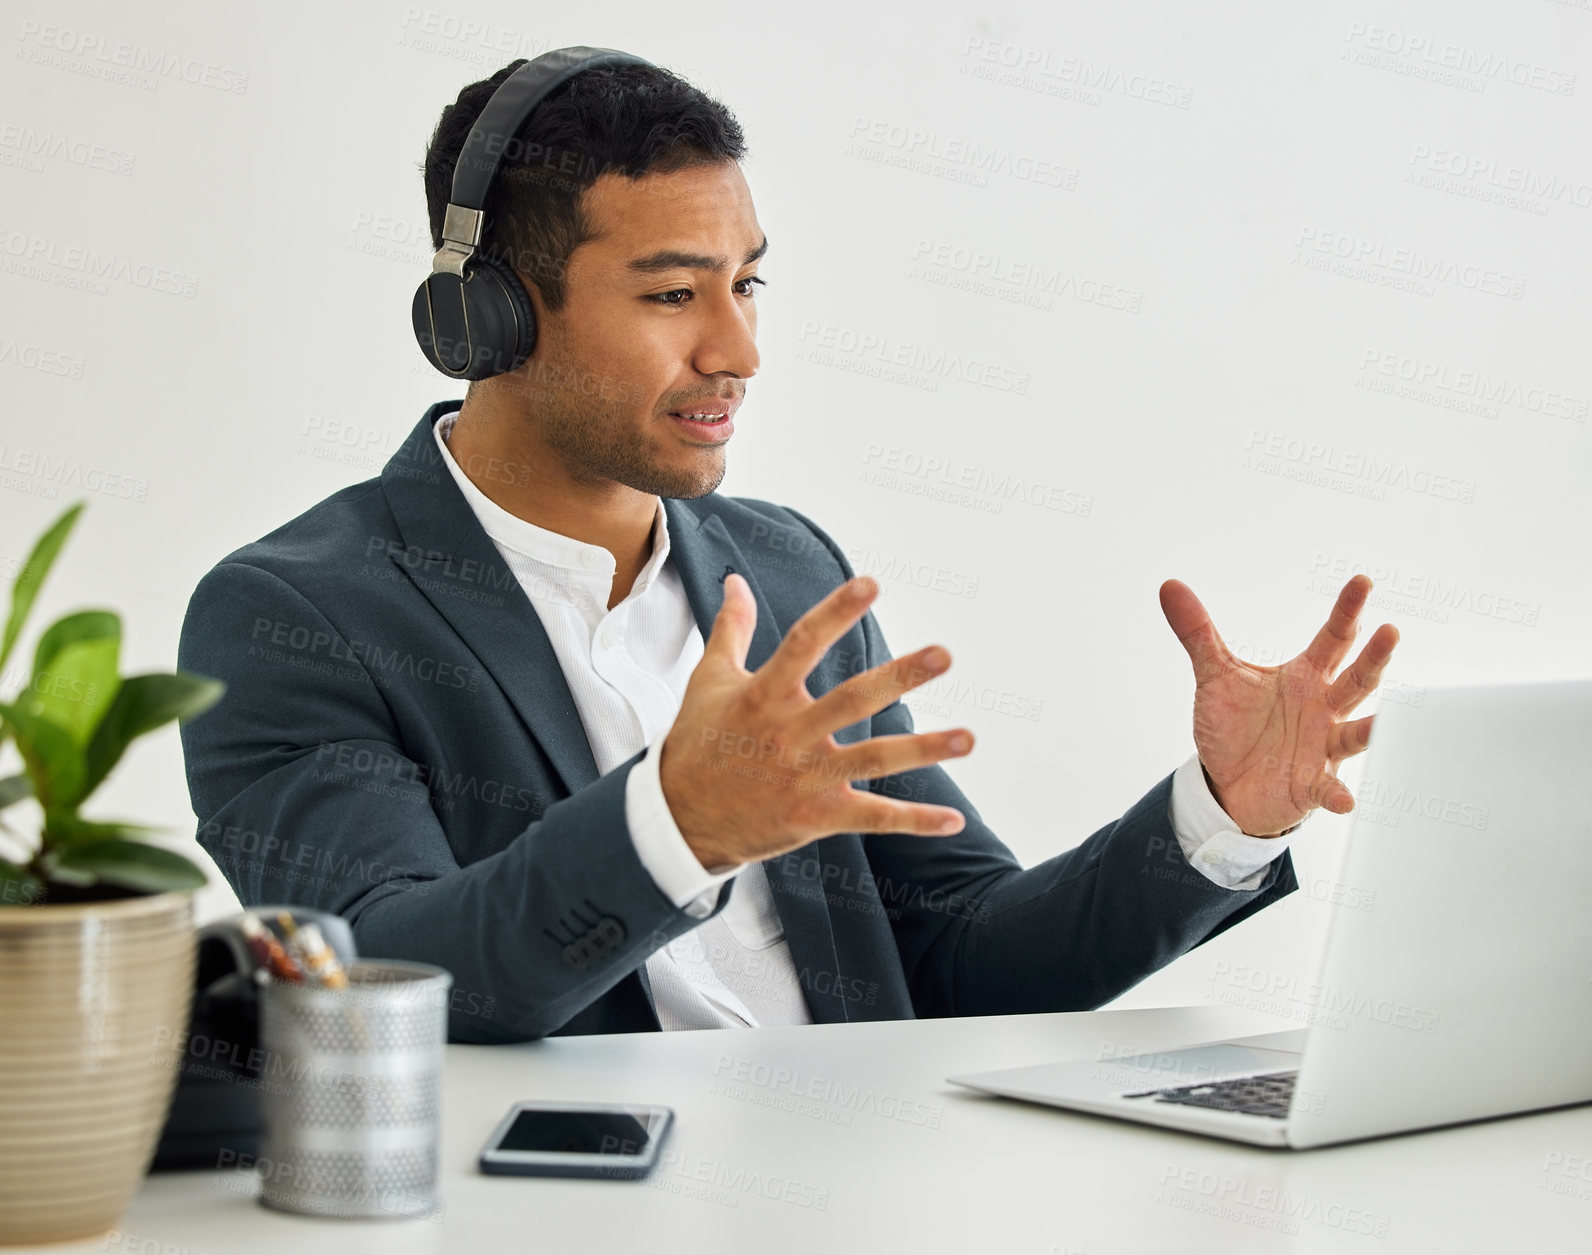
<point x="980" y="935"/>
<point x="304" y="795"/>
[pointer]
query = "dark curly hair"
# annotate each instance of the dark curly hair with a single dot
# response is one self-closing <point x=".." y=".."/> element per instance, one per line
<point x="626" y="119"/>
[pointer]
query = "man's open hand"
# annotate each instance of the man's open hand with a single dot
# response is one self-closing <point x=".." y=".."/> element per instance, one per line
<point x="1270" y="737"/>
<point x="750" y="768"/>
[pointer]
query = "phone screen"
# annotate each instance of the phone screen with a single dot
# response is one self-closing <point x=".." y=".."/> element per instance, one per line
<point x="578" y="1133"/>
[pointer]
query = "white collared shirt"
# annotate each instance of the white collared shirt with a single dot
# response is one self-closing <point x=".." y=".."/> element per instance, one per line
<point x="627" y="669"/>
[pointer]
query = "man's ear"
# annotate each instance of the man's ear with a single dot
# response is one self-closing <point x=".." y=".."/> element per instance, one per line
<point x="535" y="295"/>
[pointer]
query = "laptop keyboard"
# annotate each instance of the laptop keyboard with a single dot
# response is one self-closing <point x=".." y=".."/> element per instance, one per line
<point x="1266" y="1095"/>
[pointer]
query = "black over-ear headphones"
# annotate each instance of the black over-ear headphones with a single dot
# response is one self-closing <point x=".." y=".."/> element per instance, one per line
<point x="473" y="317"/>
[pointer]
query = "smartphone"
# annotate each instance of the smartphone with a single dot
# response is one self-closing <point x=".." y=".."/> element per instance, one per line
<point x="619" y="1141"/>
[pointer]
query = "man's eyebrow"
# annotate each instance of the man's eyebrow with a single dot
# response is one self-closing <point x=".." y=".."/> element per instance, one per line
<point x="675" y="259"/>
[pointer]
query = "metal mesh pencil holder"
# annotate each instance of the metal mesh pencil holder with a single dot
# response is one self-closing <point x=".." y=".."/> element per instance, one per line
<point x="351" y="1089"/>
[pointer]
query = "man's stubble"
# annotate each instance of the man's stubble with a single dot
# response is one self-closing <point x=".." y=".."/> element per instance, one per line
<point x="599" y="438"/>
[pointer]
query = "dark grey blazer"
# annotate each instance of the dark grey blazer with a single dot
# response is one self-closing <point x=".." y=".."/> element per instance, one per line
<point x="397" y="744"/>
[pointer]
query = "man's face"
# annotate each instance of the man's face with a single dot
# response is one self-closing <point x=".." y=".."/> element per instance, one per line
<point x="649" y="329"/>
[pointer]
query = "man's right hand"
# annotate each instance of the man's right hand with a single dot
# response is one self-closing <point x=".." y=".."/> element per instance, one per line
<point x="750" y="768"/>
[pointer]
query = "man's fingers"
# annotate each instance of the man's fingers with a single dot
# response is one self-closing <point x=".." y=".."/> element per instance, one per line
<point x="1365" y="672"/>
<point x="902" y="751"/>
<point x="1332" y="794"/>
<point x="1193" y="626"/>
<point x="872" y="813"/>
<point x="1331" y="645"/>
<point x="868" y="693"/>
<point x="1349" y="738"/>
<point x="731" y="633"/>
<point x="811" y="635"/>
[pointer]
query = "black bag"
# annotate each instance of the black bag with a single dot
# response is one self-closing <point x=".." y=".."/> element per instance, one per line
<point x="216" y="1105"/>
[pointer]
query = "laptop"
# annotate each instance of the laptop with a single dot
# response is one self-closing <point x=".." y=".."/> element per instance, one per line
<point x="1463" y="991"/>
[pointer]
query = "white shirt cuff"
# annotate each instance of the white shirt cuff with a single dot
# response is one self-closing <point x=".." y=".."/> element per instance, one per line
<point x="660" y="847"/>
<point x="1211" y="841"/>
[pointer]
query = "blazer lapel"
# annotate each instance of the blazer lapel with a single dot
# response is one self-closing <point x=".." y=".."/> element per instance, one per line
<point x="704" y="554"/>
<point x="452" y="560"/>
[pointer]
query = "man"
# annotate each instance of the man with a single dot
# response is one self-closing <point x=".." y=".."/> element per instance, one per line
<point x="540" y="706"/>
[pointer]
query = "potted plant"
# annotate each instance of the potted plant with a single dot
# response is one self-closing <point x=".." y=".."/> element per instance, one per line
<point x="96" y="927"/>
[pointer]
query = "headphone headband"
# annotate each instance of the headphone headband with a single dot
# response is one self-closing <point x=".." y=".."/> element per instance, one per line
<point x="489" y="139"/>
<point x="510" y="105"/>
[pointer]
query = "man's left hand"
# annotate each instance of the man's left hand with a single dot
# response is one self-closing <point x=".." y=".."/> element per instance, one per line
<point x="1270" y="737"/>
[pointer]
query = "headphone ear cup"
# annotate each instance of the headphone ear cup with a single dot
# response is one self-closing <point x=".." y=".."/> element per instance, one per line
<point x="507" y="312"/>
<point x="475" y="328"/>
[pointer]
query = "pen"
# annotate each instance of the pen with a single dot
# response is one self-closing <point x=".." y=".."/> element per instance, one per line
<point x="317" y="958"/>
<point x="268" y="951"/>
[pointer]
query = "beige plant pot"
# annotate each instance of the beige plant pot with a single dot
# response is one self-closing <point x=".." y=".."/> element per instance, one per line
<point x="94" y="1004"/>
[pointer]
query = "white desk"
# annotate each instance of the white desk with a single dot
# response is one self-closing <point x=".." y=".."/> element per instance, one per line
<point x="895" y="1159"/>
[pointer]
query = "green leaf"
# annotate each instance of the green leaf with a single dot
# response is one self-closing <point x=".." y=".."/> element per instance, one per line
<point x="131" y="864"/>
<point x="84" y="625"/>
<point x="13" y="789"/>
<point x="52" y="757"/>
<point x="18" y="886"/>
<point x="32" y="576"/>
<point x="74" y="672"/>
<point x="143" y="703"/>
<point x="66" y="827"/>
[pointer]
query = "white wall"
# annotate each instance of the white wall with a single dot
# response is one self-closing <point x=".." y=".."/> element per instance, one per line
<point x="1196" y="203"/>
